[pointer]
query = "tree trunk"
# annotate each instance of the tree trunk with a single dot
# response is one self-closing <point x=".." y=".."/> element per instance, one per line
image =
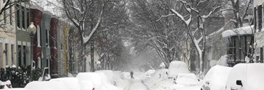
<point x="92" y="56"/>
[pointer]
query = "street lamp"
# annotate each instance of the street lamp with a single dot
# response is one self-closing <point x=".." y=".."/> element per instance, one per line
<point x="32" y="31"/>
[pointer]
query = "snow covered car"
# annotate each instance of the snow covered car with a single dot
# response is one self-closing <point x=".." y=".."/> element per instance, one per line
<point x="186" y="80"/>
<point x="177" y="67"/>
<point x="246" y="77"/>
<point x="216" y="78"/>
<point x="46" y="85"/>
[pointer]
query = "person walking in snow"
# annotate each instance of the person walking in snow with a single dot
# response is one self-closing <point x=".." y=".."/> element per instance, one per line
<point x="131" y="75"/>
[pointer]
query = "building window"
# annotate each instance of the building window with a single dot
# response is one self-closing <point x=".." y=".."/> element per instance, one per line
<point x="19" y="56"/>
<point x="11" y="14"/>
<point x="47" y="42"/>
<point x="6" y="53"/>
<point x="23" y="17"/>
<point x="28" y="23"/>
<point x="18" y="16"/>
<point x="24" y="55"/>
<point x="12" y="54"/>
<point x="4" y="13"/>
<point x="38" y="35"/>
<point x="259" y="17"/>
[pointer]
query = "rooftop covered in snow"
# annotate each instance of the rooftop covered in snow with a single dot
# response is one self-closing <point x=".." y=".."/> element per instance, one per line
<point x="247" y="30"/>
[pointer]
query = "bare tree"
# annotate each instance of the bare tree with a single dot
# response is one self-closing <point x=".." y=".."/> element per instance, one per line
<point x="240" y="9"/>
<point x="196" y="13"/>
<point x="164" y="35"/>
<point x="86" y="15"/>
<point x="109" y="38"/>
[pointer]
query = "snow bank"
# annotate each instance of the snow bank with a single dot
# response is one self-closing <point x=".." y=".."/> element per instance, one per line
<point x="8" y="82"/>
<point x="149" y="73"/>
<point x="188" y="79"/>
<point x="46" y="85"/>
<point x="217" y="77"/>
<point x="98" y="81"/>
<point x="71" y="83"/>
<point x="222" y="61"/>
<point x="238" y="31"/>
<point x="109" y="75"/>
<point x="251" y="76"/>
<point x="177" y="67"/>
<point x="14" y="89"/>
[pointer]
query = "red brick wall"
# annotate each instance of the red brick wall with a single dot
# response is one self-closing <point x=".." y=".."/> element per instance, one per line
<point x="53" y="45"/>
<point x="36" y="17"/>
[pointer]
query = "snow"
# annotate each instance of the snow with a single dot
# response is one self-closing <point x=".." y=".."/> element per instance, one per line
<point x="187" y="79"/>
<point x="187" y="22"/>
<point x="150" y="72"/>
<point x="177" y="67"/>
<point x="71" y="83"/>
<point x="222" y="61"/>
<point x="160" y="81"/>
<point x="98" y="80"/>
<point x="162" y="65"/>
<point x="46" y="85"/>
<point x="83" y="81"/>
<point x="217" y="77"/>
<point x="251" y="76"/>
<point x="247" y="30"/>
<point x="8" y="82"/>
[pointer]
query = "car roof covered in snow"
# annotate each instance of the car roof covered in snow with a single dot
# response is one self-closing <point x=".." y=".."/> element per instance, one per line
<point x="217" y="77"/>
<point x="251" y="75"/>
<point x="247" y="30"/>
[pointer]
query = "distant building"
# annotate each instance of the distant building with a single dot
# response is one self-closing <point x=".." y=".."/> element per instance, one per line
<point x="239" y="44"/>
<point x="258" y="26"/>
<point x="22" y="34"/>
<point x="7" y="37"/>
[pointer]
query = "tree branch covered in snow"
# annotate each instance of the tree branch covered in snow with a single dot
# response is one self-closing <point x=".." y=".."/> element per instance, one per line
<point x="156" y="28"/>
<point x="196" y="34"/>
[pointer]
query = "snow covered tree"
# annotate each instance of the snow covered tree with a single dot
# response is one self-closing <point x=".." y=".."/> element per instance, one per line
<point x="86" y="16"/>
<point x="240" y="10"/>
<point x="108" y="40"/>
<point x="194" y="17"/>
<point x="165" y="35"/>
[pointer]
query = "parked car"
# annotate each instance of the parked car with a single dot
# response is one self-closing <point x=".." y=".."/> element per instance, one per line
<point x="216" y="78"/>
<point x="186" y="80"/>
<point x="246" y="77"/>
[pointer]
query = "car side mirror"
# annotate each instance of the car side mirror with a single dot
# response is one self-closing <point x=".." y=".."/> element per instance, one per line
<point x="239" y="82"/>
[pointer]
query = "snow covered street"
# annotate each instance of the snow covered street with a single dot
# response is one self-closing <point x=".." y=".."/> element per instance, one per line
<point x="137" y="85"/>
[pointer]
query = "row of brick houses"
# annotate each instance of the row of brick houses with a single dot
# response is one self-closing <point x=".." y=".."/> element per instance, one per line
<point x="49" y="42"/>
